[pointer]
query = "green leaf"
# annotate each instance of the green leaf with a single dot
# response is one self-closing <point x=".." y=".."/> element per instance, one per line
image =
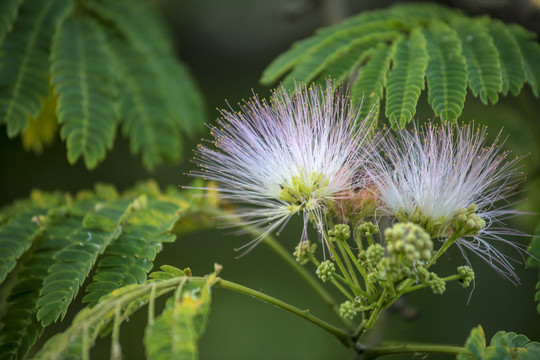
<point x="16" y="236"/>
<point x="369" y="22"/>
<point x="531" y="56"/>
<point x="129" y="258"/>
<point x="510" y="57"/>
<point x="24" y="62"/>
<point x="146" y="120"/>
<point x="484" y="67"/>
<point x="371" y="81"/>
<point x="406" y="78"/>
<point x="19" y="327"/>
<point x="345" y="64"/>
<point x="84" y="81"/>
<point x="8" y="13"/>
<point x="476" y="344"/>
<point x="495" y="62"/>
<point x="446" y="73"/>
<point x="190" y="308"/>
<point x="309" y="68"/>
<point x="503" y="346"/>
<point x="138" y="23"/>
<point x="74" y="262"/>
<point x="174" y="333"/>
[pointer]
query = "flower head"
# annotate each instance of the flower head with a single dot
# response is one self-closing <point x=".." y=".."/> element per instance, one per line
<point x="448" y="180"/>
<point x="298" y="154"/>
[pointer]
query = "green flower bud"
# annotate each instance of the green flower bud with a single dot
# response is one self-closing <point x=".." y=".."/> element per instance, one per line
<point x="373" y="277"/>
<point x="341" y="232"/>
<point x="348" y="310"/>
<point x="368" y="228"/>
<point x="304" y="251"/>
<point x="423" y="274"/>
<point x="467" y="222"/>
<point x="326" y="270"/>
<point x="374" y="253"/>
<point x="410" y="240"/>
<point x="466" y="275"/>
<point x="436" y="284"/>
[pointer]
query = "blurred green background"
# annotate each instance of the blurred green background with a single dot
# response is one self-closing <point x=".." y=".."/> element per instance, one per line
<point x="227" y="44"/>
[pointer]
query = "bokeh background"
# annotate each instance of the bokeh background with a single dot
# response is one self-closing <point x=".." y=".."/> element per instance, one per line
<point x="227" y="44"/>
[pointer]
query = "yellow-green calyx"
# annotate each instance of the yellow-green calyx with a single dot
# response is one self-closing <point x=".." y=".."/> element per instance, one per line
<point x="304" y="192"/>
<point x="431" y="225"/>
<point x="465" y="222"/>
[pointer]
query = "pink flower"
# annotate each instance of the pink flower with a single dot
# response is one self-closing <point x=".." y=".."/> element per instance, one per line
<point x="295" y="155"/>
<point x="437" y="175"/>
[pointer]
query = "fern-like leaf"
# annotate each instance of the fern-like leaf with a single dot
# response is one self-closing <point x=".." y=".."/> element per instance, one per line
<point x="137" y="22"/>
<point x="332" y="49"/>
<point x="84" y="82"/>
<point x="8" y="13"/>
<point x="74" y="261"/>
<point x="503" y="346"/>
<point x="406" y="78"/>
<point x="123" y="302"/>
<point x="20" y="324"/>
<point x="485" y="78"/>
<point x="24" y="62"/>
<point x="531" y="56"/>
<point x="446" y="73"/>
<point x="174" y="333"/>
<point x="19" y="230"/>
<point x="146" y="120"/>
<point x="371" y="81"/>
<point x="129" y="257"/>
<point x="16" y="236"/>
<point x="372" y="21"/>
<point x="513" y="72"/>
<point x="498" y="58"/>
<point x="344" y="65"/>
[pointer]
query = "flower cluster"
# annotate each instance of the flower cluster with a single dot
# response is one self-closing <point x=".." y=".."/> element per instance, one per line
<point x="446" y="179"/>
<point x="299" y="154"/>
<point x="307" y="152"/>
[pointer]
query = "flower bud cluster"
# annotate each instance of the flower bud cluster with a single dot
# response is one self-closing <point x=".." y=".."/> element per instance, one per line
<point x="466" y="275"/>
<point x="467" y="222"/>
<point x="429" y="224"/>
<point x="408" y="248"/>
<point x="368" y="229"/>
<point x="304" y="252"/>
<point x="326" y="271"/>
<point x="410" y="241"/>
<point x="341" y="232"/>
<point x="348" y="310"/>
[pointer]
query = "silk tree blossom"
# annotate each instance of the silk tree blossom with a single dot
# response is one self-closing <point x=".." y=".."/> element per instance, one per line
<point x="299" y="154"/>
<point x="447" y="179"/>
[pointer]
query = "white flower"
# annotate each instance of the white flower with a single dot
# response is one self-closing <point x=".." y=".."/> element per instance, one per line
<point x="295" y="155"/>
<point x="447" y="179"/>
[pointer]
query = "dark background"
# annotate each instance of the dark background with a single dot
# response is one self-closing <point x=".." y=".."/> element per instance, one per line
<point x="227" y="44"/>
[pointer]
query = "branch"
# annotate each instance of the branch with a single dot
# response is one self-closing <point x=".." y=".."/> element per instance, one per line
<point x="390" y="349"/>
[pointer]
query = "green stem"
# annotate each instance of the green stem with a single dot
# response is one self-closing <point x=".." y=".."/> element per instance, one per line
<point x="348" y="263"/>
<point x="340" y="334"/>
<point x="306" y="275"/>
<point x="390" y="349"/>
<point x="377" y="310"/>
<point x="359" y="267"/>
<point x="452" y="239"/>
<point x="355" y="288"/>
<point x="342" y="289"/>
<point x="338" y="261"/>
